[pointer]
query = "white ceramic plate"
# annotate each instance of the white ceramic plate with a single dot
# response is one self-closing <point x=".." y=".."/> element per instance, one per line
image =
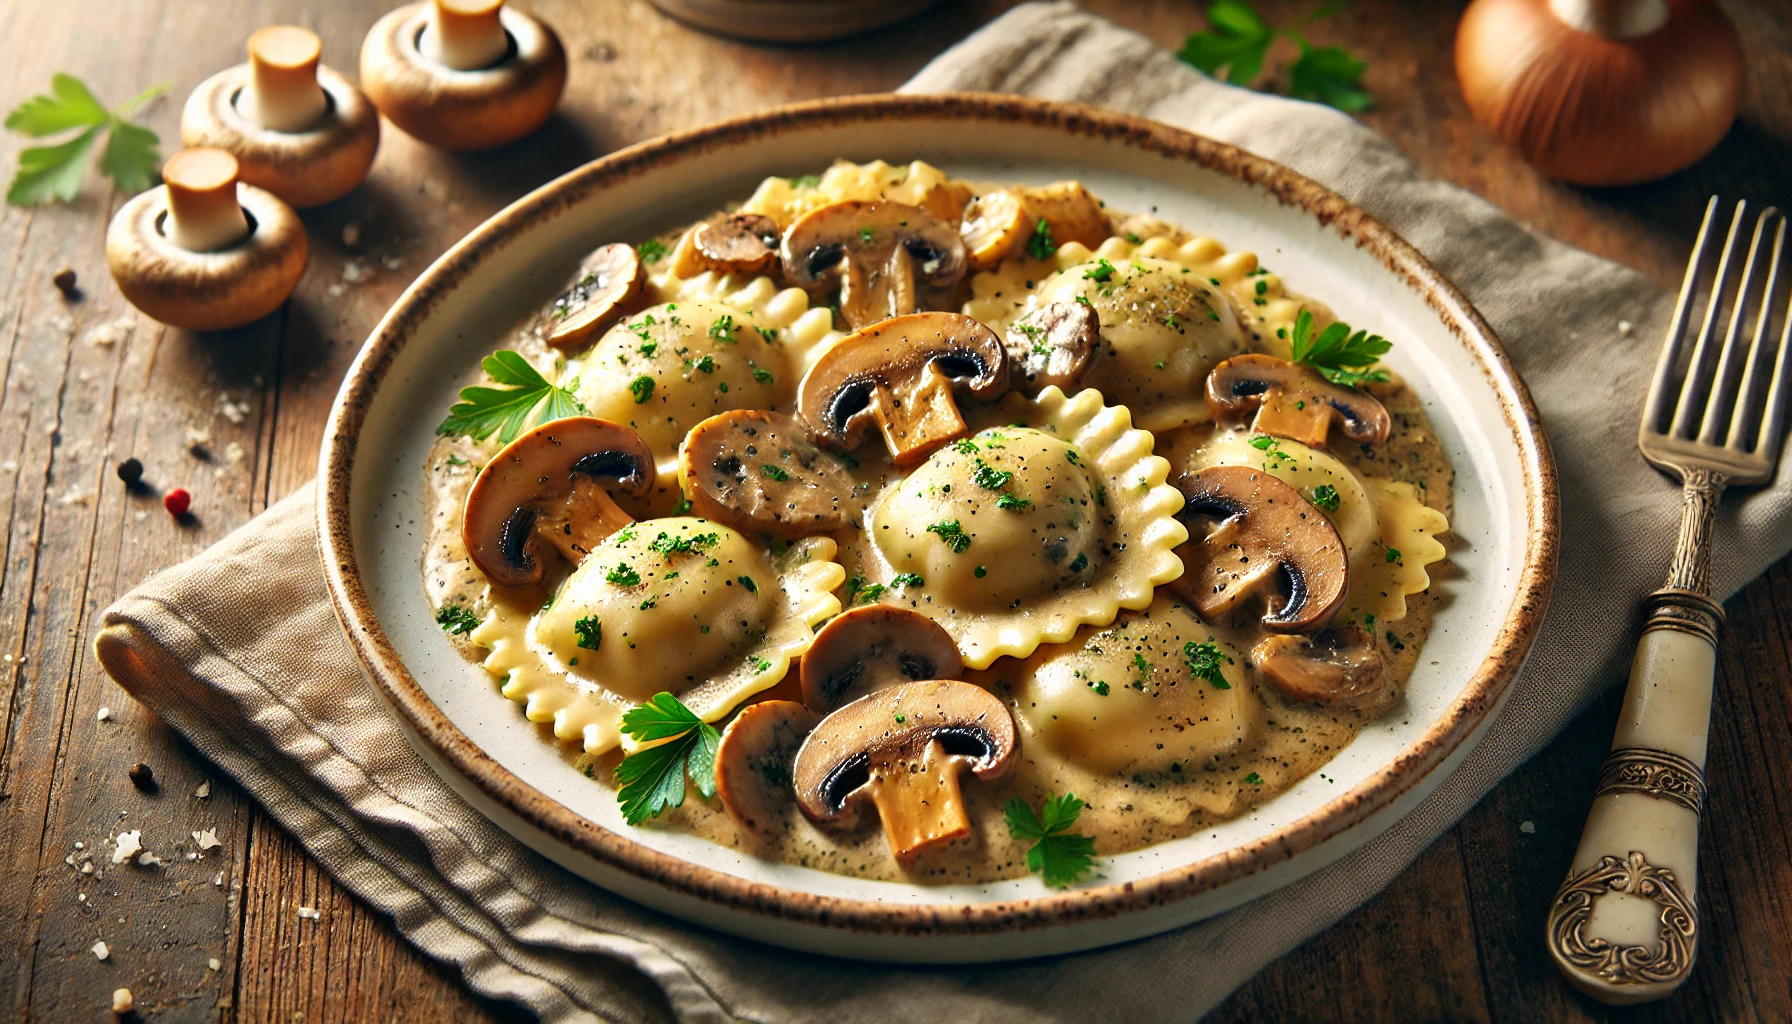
<point x="1503" y="532"/>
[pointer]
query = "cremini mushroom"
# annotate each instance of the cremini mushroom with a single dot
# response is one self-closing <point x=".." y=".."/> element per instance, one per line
<point x="872" y="648"/>
<point x="880" y="252"/>
<point x="1268" y="538"/>
<point x="1292" y="400"/>
<point x="1051" y="346"/>
<point x="296" y="128"/>
<point x="903" y="750"/>
<point x="756" y="470"/>
<point x="550" y="484"/>
<point x="900" y="374"/>
<point x="1339" y="666"/>
<point x="201" y="251"/>
<point x="755" y="762"/>
<point x="463" y="74"/>
<point x="997" y="224"/>
<point x="608" y="286"/>
<point x="728" y="243"/>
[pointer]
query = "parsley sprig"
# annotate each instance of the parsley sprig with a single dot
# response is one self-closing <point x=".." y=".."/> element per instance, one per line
<point x="55" y="171"/>
<point x="650" y="781"/>
<point x="526" y="400"/>
<point x="1343" y="357"/>
<point x="1059" y="855"/>
<point x="1239" y="41"/>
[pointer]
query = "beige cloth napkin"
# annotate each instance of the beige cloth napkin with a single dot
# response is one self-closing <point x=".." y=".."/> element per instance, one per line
<point x="264" y="685"/>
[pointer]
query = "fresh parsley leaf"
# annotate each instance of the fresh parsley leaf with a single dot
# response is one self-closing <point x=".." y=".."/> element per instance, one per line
<point x="55" y="171"/>
<point x="1341" y="356"/>
<point x="457" y="619"/>
<point x="589" y="632"/>
<point x="1238" y="42"/>
<point x="527" y="399"/>
<point x="652" y="780"/>
<point x="1059" y="855"/>
<point x="805" y="181"/>
<point x="653" y="250"/>
<point x="747" y="581"/>
<point x="51" y="172"/>
<point x="130" y="157"/>
<point x="1329" y="75"/>
<point x="70" y="104"/>
<point x="1204" y="662"/>
<point x="1039" y="244"/>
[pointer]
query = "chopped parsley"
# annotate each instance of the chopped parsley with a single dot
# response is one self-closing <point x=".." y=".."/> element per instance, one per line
<point x="624" y="575"/>
<point x="1010" y="503"/>
<point x="771" y="472"/>
<point x="1070" y="454"/>
<point x="1271" y="448"/>
<point x="652" y="780"/>
<point x="991" y="479"/>
<point x="747" y="581"/>
<point x="1341" y="356"/>
<point x="1254" y="779"/>
<point x="1040" y="245"/>
<point x="589" y="632"/>
<point x="1100" y="688"/>
<point x="1059" y="855"/>
<point x="642" y="388"/>
<point x="653" y="250"/>
<point x="1080" y="562"/>
<point x="1204" y="661"/>
<point x="526" y="399"/>
<point x="965" y="446"/>
<point x="805" y="181"/>
<point x="723" y="329"/>
<point x="707" y="364"/>
<point x="980" y="572"/>
<point x="648" y="348"/>
<point x="1326" y="497"/>
<point x="759" y="664"/>
<point x="952" y="534"/>
<point x="1101" y="273"/>
<point x="858" y="589"/>
<point x="762" y="375"/>
<point x="675" y="544"/>
<point x="908" y="579"/>
<point x="1394" y="555"/>
<point x="867" y="235"/>
<point x="457" y="619"/>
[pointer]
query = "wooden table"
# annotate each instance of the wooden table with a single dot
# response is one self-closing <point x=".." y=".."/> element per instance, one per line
<point x="88" y="383"/>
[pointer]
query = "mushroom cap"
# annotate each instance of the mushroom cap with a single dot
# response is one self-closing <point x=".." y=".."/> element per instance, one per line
<point x="608" y="285"/>
<point x="206" y="291"/>
<point x="756" y="470"/>
<point x="463" y="109"/>
<point x="1052" y="345"/>
<point x="821" y="241"/>
<point x="872" y="648"/>
<point x="532" y="473"/>
<point x="897" y="726"/>
<point x="1339" y="666"/>
<point x="736" y="243"/>
<point x="1294" y="401"/>
<point x="892" y="370"/>
<point x="307" y="168"/>
<point x="756" y="759"/>
<point x="1268" y="535"/>
<point x="997" y="224"/>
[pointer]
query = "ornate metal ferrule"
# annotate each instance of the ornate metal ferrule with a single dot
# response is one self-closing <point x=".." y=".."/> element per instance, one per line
<point x="1655" y="773"/>
<point x="1687" y="611"/>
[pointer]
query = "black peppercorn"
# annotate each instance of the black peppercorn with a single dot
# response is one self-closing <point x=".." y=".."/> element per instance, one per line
<point x="131" y="472"/>
<point x="64" y="280"/>
<point x="143" y="777"/>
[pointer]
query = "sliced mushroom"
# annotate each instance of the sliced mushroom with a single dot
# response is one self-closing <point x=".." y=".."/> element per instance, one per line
<point x="873" y="648"/>
<point x="881" y="253"/>
<point x="1268" y="537"/>
<point x="755" y="761"/>
<point x="736" y="243"/>
<point x="1293" y="401"/>
<point x="903" y="749"/>
<point x="757" y="470"/>
<point x="1340" y="666"/>
<point x="610" y="282"/>
<point x="900" y="374"/>
<point x="1052" y="345"/>
<point x="997" y="224"/>
<point x="550" y="484"/>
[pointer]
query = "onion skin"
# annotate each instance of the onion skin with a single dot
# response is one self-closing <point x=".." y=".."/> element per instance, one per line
<point x="1593" y="110"/>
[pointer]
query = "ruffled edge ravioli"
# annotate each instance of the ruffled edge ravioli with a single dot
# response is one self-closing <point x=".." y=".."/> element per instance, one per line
<point x="803" y="331"/>
<point x="1409" y="526"/>
<point x="1145" y="508"/>
<point x="807" y="579"/>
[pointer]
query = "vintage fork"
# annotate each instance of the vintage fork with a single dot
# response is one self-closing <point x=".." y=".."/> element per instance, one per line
<point x="1624" y="926"/>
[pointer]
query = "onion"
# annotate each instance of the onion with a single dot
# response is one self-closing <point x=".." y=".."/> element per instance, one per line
<point x="1602" y="92"/>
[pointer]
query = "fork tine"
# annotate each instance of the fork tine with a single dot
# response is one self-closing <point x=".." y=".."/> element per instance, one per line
<point x="1753" y="393"/>
<point x="1773" y="427"/>
<point x="1721" y="405"/>
<point x="1697" y="385"/>
<point x="1660" y="388"/>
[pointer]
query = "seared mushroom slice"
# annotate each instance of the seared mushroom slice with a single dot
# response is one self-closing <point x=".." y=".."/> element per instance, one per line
<point x="1340" y="666"/>
<point x="880" y="251"/>
<point x="757" y="470"/>
<point x="609" y="284"/>
<point x="998" y="223"/>
<point x="755" y="760"/>
<point x="900" y="374"/>
<point x="1052" y="345"/>
<point x="734" y="243"/>
<point x="903" y="749"/>
<point x="1268" y="536"/>
<point x="550" y="484"/>
<point x="1293" y="401"/>
<point x="872" y="648"/>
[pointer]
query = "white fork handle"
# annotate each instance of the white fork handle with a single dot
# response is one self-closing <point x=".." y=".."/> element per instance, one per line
<point x="1624" y="927"/>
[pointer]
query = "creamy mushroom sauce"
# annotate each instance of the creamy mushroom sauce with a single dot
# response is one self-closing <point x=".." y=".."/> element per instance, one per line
<point x="1127" y="808"/>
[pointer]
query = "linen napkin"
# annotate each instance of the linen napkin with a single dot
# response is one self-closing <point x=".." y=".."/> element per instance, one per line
<point x="267" y="688"/>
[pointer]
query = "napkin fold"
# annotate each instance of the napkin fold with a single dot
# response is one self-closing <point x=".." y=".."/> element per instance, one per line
<point x="266" y="687"/>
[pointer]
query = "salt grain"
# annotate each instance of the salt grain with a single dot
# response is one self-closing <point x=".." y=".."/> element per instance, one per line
<point x="335" y="291"/>
<point x="204" y="790"/>
<point x="1625" y="328"/>
<point x="149" y="860"/>
<point x="1527" y="827"/>
<point x="112" y="331"/>
<point x="214" y="963"/>
<point x="122" y="1001"/>
<point x="100" y="951"/>
<point x="207" y="839"/>
<point x="105" y="713"/>
<point x="310" y="914"/>
<point x="351" y="233"/>
<point x="353" y="272"/>
<point x="393" y="262"/>
<point x="218" y="879"/>
<point x="129" y="843"/>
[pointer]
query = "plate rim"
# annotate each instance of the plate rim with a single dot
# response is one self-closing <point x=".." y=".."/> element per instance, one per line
<point x="1517" y="630"/>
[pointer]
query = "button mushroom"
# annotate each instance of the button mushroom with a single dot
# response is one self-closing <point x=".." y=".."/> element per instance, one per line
<point x="729" y="243"/>
<point x="900" y="374"/>
<point x="1052" y="345"/>
<point x="755" y="761"/>
<point x="1340" y="666"/>
<point x="903" y="749"/>
<point x="549" y="484"/>
<point x="879" y="251"/>
<point x="608" y="286"/>
<point x="201" y="251"/>
<point x="463" y="74"/>
<point x="1268" y="536"/>
<point x="757" y="470"/>
<point x="1292" y="401"/>
<point x="872" y="648"/>
<point x="296" y="128"/>
<point x="997" y="224"/>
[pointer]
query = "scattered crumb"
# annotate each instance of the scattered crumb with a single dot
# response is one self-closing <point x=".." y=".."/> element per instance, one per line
<point x="104" y="714"/>
<point x="233" y="453"/>
<point x="218" y="879"/>
<point x="149" y="860"/>
<point x="141" y="515"/>
<point x="204" y="790"/>
<point x="335" y="291"/>
<point x="197" y="438"/>
<point x="129" y="843"/>
<point x="122" y="1001"/>
<point x="1625" y="328"/>
<point x="353" y="272"/>
<point x="87" y="867"/>
<point x="310" y="914"/>
<point x="80" y="845"/>
<point x="351" y="233"/>
<point x="101" y="951"/>
<point x="393" y="262"/>
<point x="80" y="897"/>
<point x="207" y="839"/>
<point x="213" y="964"/>
<point x="1527" y="827"/>
<point x="10" y="465"/>
<point x="74" y="496"/>
<point x="111" y="332"/>
<point x="235" y="412"/>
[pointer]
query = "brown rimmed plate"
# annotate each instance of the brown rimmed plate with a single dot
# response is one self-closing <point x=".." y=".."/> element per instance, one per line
<point x="1503" y="541"/>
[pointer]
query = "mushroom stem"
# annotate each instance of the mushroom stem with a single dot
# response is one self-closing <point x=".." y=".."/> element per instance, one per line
<point x="204" y="214"/>
<point x="870" y="293"/>
<point x="283" y="94"/>
<point x="921" y="804"/>
<point x="466" y="35"/>
<point x="917" y="421"/>
<point x="583" y="519"/>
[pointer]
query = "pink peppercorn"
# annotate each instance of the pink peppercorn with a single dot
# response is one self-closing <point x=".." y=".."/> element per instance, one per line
<point x="177" y="501"/>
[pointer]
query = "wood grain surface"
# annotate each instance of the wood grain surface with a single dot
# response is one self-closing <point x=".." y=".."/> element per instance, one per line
<point x="236" y="418"/>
